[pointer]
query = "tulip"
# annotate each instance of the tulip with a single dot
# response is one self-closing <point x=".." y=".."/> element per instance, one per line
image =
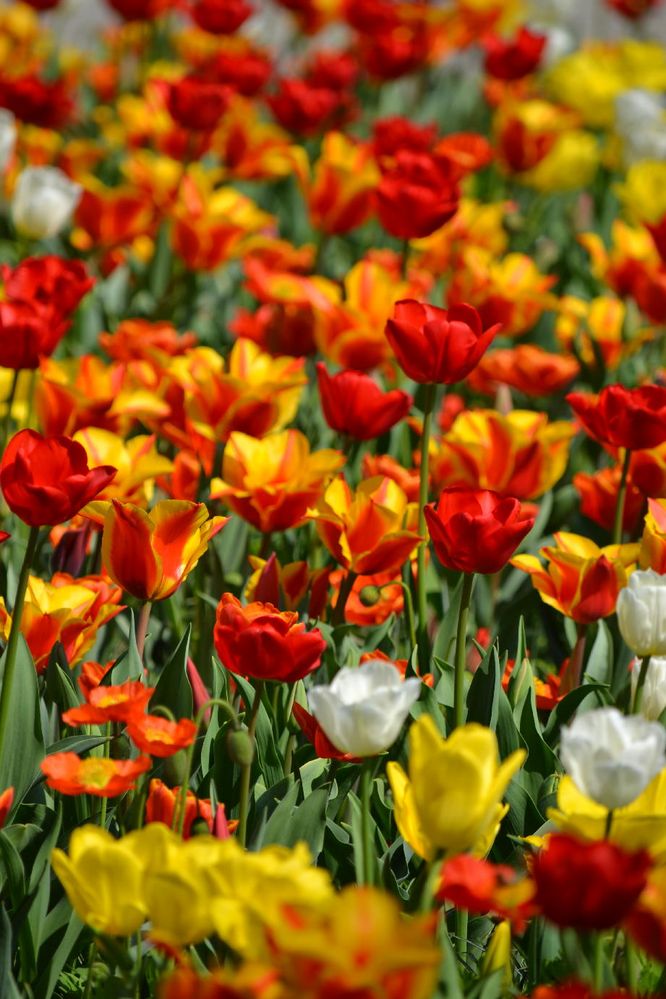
<point x="260" y="641"/>
<point x="416" y="195"/>
<point x="8" y="133"/>
<point x="196" y="103"/>
<point x="354" y="405"/>
<point x="304" y="109"/>
<point x="611" y="757"/>
<point x="622" y="417"/>
<point x="653" y="696"/>
<point x="514" y="58"/>
<point x="479" y="886"/>
<point x="451" y="799"/>
<point x="102" y="877"/>
<point x="587" y="886"/>
<point x="633" y="9"/>
<point x="340" y="196"/>
<point x="641" y="613"/>
<point x="46" y="480"/>
<point x="476" y="530"/>
<point x="220" y="17"/>
<point x="439" y="346"/>
<point x="161" y="805"/>
<point x="151" y="554"/>
<point x="363" y="710"/>
<point x="43" y="202"/>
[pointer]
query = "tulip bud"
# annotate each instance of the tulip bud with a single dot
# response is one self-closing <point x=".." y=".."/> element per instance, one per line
<point x="240" y="746"/>
<point x="653" y="696"/>
<point x="641" y="613"/>
<point x="612" y="758"/>
<point x="7" y="138"/>
<point x="498" y="953"/>
<point x="365" y="707"/>
<point x="43" y="202"/>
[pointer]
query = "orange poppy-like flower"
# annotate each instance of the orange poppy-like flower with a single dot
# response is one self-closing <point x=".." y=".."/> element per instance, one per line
<point x="372" y="599"/>
<point x="149" y="554"/>
<point x="581" y="580"/>
<point x="511" y="291"/>
<point x="104" y="778"/>
<point x="653" y="543"/>
<point x="527" y="368"/>
<point x="159" y="736"/>
<point x="272" y="482"/>
<point x="365" y="531"/>
<point x="66" y="610"/>
<point x="161" y="805"/>
<point x="116" y="703"/>
<point x="520" y="454"/>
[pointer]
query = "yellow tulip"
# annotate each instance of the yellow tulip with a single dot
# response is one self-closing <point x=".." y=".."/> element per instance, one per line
<point x="103" y="880"/>
<point x="451" y="800"/>
<point x="640" y="825"/>
<point x="498" y="954"/>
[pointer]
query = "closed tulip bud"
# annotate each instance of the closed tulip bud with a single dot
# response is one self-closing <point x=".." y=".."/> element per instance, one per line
<point x="240" y="746"/>
<point x="653" y="696"/>
<point x="364" y="708"/>
<point x="611" y="757"/>
<point x="44" y="201"/>
<point x="641" y="613"/>
<point x="498" y="953"/>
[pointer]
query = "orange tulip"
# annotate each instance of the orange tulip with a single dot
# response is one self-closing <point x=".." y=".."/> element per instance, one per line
<point x="161" y="805"/>
<point x="581" y="580"/>
<point x="520" y="454"/>
<point x="271" y="483"/>
<point x="66" y="610"/>
<point x="365" y="531"/>
<point x="149" y="554"/>
<point x="528" y="368"/>
<point x="653" y="543"/>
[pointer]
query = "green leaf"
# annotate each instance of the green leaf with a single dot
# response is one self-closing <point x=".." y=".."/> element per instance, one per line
<point x="268" y="757"/>
<point x="22" y="743"/>
<point x="129" y="666"/>
<point x="60" y="687"/>
<point x="484" y="691"/>
<point x="52" y="958"/>
<point x="173" y="689"/>
<point x="446" y="633"/>
<point x="8" y="987"/>
<point x="540" y="757"/>
<point x="599" y="666"/>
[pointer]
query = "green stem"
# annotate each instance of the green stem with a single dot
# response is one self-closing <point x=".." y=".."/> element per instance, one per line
<point x="638" y="693"/>
<point x="142" y="627"/>
<point x="404" y="259"/>
<point x="367" y="771"/>
<point x="409" y="613"/>
<point x="15" y="631"/>
<point x="346" y="586"/>
<point x="422" y="633"/>
<point x="461" y="650"/>
<point x="9" y="402"/>
<point x="246" y="769"/>
<point x="291" y="739"/>
<point x="609" y="823"/>
<point x="633" y="965"/>
<point x="92" y="954"/>
<point x="181" y="804"/>
<point x="462" y="923"/>
<point x="106" y="749"/>
<point x="598" y="965"/>
<point x="621" y="498"/>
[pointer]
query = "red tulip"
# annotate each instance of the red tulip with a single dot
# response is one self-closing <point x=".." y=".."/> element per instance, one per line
<point x="389" y="135"/>
<point x="354" y="405"/>
<point x="50" y="281"/>
<point x="45" y="103"/>
<point x="46" y="480"/>
<point x="476" y="530"/>
<point x="633" y="9"/>
<point x="588" y="885"/>
<point x="437" y="345"/>
<point x="197" y="104"/>
<point x="246" y="73"/>
<point x="623" y="417"/>
<point x="416" y="195"/>
<point x="511" y="59"/>
<point x="140" y="10"/>
<point x="220" y="17"/>
<point x="260" y="641"/>
<point x="304" y="109"/>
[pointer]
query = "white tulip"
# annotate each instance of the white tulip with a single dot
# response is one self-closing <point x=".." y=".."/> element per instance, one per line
<point x="641" y="613"/>
<point x="7" y="138"/>
<point x="612" y="757"/>
<point x="640" y="122"/>
<point x="43" y="202"/>
<point x="653" y="696"/>
<point x="364" y="708"/>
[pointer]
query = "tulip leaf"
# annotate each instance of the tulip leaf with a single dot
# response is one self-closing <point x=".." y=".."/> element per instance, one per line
<point x="599" y="666"/>
<point x="57" y="947"/>
<point x="508" y="737"/>
<point x="60" y="688"/>
<point x="128" y="666"/>
<point x="449" y="974"/>
<point x="8" y="987"/>
<point x="22" y="741"/>
<point x="446" y="633"/>
<point x="540" y="757"/>
<point x="268" y="757"/>
<point x="277" y="826"/>
<point x="160" y="265"/>
<point x="173" y="689"/>
<point x="484" y="691"/>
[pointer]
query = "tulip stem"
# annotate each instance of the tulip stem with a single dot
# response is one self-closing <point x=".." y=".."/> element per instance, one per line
<point x="346" y="586"/>
<point x="367" y="771"/>
<point x="291" y="738"/>
<point x="609" y="823"/>
<point x="246" y="768"/>
<point x="598" y="964"/>
<point x="461" y="650"/>
<point x="9" y="403"/>
<point x="15" y="631"/>
<point x="422" y="634"/>
<point x="142" y="627"/>
<point x="621" y="498"/>
<point x="638" y="694"/>
<point x="462" y="923"/>
<point x="92" y="954"/>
